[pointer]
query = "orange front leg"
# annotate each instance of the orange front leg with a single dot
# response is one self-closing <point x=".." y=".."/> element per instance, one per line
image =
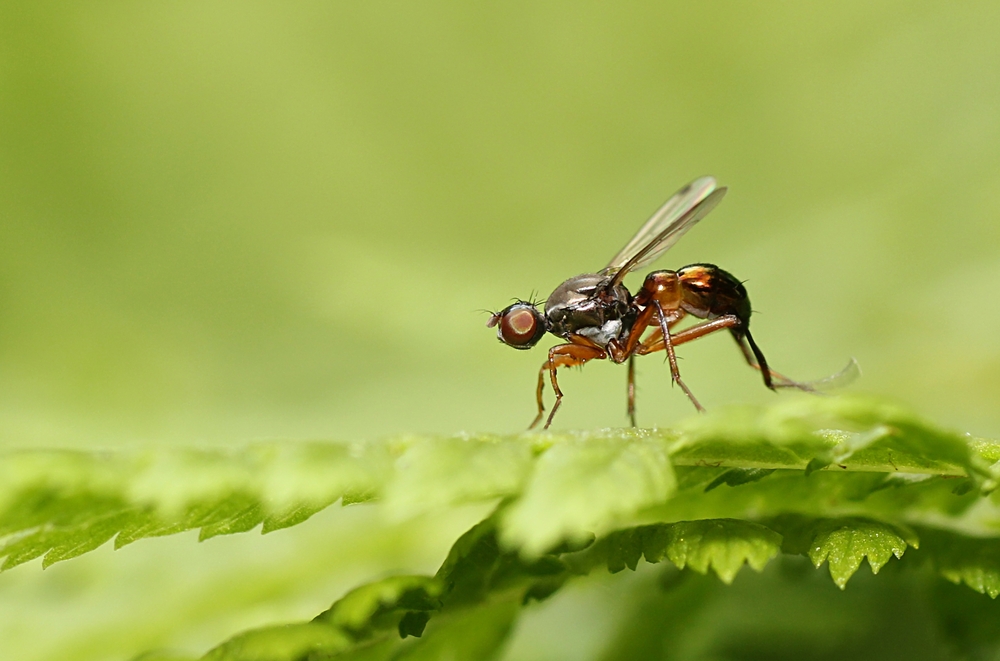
<point x="577" y="352"/>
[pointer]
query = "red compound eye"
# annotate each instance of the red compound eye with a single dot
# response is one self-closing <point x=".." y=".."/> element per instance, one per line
<point x="518" y="326"/>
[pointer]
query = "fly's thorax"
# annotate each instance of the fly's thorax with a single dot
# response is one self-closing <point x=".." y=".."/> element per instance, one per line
<point x="588" y="306"/>
<point x="708" y="292"/>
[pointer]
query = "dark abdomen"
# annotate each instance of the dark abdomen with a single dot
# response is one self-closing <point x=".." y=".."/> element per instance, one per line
<point x="709" y="292"/>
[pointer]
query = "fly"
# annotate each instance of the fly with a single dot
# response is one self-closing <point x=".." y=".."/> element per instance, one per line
<point x="600" y="319"/>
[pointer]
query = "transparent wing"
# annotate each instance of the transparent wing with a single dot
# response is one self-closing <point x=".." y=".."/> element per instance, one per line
<point x="676" y="206"/>
<point x="677" y="215"/>
<point x="844" y="377"/>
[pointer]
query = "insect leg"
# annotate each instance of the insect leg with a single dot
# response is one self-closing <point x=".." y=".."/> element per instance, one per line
<point x="618" y="353"/>
<point x="668" y="344"/>
<point x="655" y="338"/>
<point x="540" y="390"/>
<point x="642" y="322"/>
<point x="562" y="355"/>
<point x="655" y="342"/>
<point x="632" y="344"/>
<point x="631" y="389"/>
<point x="755" y="358"/>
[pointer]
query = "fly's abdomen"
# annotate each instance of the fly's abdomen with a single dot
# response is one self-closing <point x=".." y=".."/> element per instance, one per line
<point x="709" y="292"/>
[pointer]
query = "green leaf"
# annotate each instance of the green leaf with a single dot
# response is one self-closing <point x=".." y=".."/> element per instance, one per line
<point x="737" y="476"/>
<point x="382" y="604"/>
<point x="61" y="504"/>
<point x="436" y="473"/>
<point x="288" y="642"/>
<point x="811" y="433"/>
<point x="981" y="575"/>
<point x="722" y="545"/>
<point x="879" y="463"/>
<point x="467" y="608"/>
<point x="847" y="444"/>
<point x="974" y="562"/>
<point x="749" y="437"/>
<point x="845" y="543"/>
<point x="69" y="543"/>
<point x="587" y="484"/>
<point x="240" y="517"/>
<point x="897" y="438"/>
<point x="478" y="566"/>
<point x="293" y="516"/>
<point x="476" y="633"/>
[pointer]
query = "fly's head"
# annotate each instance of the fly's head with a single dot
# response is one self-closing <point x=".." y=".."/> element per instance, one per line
<point x="519" y="325"/>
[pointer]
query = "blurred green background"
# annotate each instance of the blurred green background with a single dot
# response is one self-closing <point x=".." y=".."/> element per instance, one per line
<point x="223" y="222"/>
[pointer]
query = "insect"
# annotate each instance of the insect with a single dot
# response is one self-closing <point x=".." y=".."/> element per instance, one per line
<point x="600" y="319"/>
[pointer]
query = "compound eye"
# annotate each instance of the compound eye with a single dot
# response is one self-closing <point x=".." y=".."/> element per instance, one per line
<point x="520" y="326"/>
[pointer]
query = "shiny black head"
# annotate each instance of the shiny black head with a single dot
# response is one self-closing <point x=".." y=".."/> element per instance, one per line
<point x="519" y="325"/>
